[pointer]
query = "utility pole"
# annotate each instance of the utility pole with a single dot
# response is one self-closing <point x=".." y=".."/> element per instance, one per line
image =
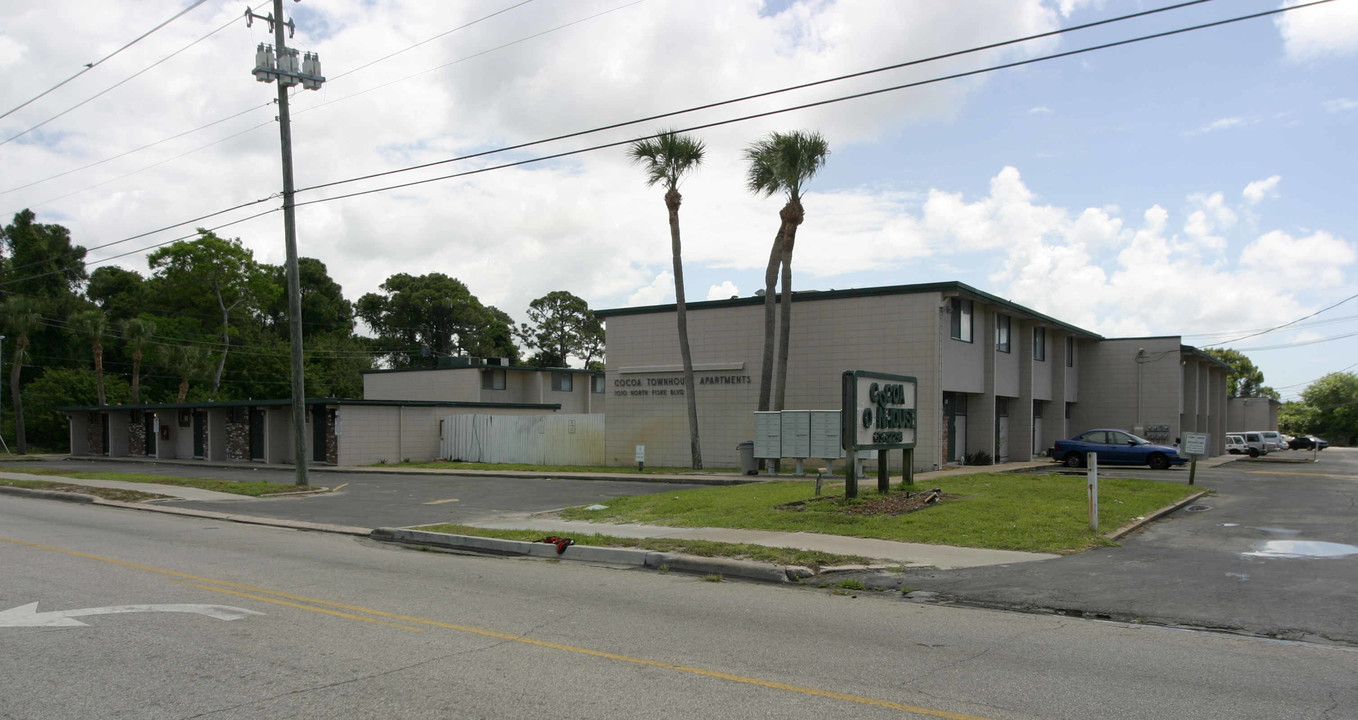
<point x="279" y="62"/>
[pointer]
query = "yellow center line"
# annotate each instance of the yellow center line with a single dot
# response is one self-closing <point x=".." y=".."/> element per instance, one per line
<point x="689" y="669"/>
<point x="339" y="487"/>
<point x="299" y="606"/>
<point x="440" y="502"/>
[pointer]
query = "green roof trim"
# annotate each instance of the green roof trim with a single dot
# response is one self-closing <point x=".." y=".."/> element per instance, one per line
<point x="311" y="402"/>
<point x="951" y="286"/>
<point x="526" y="368"/>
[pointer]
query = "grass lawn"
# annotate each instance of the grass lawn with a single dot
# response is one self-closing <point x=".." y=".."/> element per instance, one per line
<point x="704" y="548"/>
<point x="1036" y="513"/>
<point x="450" y="465"/>
<point x="105" y="493"/>
<point x="252" y="489"/>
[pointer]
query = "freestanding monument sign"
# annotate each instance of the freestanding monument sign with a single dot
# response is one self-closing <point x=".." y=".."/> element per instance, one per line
<point x="879" y="413"/>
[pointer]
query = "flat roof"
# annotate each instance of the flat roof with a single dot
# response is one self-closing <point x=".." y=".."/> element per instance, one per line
<point x="887" y="290"/>
<point x="526" y="368"/>
<point x="309" y="401"/>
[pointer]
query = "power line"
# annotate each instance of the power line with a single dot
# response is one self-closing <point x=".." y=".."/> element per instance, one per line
<point x="1299" y="343"/>
<point x="953" y="76"/>
<point x="1298" y="326"/>
<point x="128" y="78"/>
<point x="769" y="113"/>
<point x="90" y="66"/>
<point x="1286" y="324"/>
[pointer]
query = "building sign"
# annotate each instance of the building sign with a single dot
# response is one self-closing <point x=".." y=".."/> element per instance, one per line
<point x="674" y="386"/>
<point x="879" y="411"/>
<point x="1195" y="445"/>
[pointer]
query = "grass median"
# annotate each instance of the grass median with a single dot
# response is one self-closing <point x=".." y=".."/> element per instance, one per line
<point x="1035" y="513"/>
<point x="545" y="469"/>
<point x="704" y="548"/>
<point x="250" y="489"/>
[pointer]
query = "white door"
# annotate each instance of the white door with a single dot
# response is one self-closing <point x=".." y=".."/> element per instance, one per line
<point x="959" y="424"/>
<point x="1002" y="440"/>
<point x="1037" y="437"/>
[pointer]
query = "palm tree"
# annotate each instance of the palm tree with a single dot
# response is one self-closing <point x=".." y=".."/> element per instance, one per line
<point x="190" y="363"/>
<point x="93" y="324"/>
<point x="667" y="158"/>
<point x="137" y="333"/>
<point x="22" y="316"/>
<point x="782" y="161"/>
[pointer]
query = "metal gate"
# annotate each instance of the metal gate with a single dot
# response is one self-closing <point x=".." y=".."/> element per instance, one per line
<point x="527" y="439"/>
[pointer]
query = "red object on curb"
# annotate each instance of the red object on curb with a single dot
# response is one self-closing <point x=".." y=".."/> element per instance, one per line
<point x="560" y="543"/>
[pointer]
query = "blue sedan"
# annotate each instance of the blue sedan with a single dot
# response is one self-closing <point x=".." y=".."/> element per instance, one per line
<point x="1115" y="447"/>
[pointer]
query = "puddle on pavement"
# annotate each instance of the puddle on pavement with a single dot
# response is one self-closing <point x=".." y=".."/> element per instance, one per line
<point x="1278" y="531"/>
<point x="1242" y="577"/>
<point x="1304" y="549"/>
<point x="1229" y="524"/>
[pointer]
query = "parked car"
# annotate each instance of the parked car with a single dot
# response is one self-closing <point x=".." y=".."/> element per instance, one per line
<point x="1306" y="442"/>
<point x="1235" y="445"/>
<point x="1273" y="440"/>
<point x="1254" y="444"/>
<point x="1115" y="447"/>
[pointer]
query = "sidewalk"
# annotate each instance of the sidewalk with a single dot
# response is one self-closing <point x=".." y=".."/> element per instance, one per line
<point x="174" y="491"/>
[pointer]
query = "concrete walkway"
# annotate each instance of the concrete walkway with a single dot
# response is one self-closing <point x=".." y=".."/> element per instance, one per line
<point x="174" y="491"/>
<point x="913" y="554"/>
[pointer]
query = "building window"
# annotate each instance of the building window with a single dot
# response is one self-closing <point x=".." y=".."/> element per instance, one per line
<point x="961" y="319"/>
<point x="1038" y="406"/>
<point x="1040" y="344"/>
<point x="1070" y="351"/>
<point x="1002" y="407"/>
<point x="492" y="379"/>
<point x="1068" y="410"/>
<point x="562" y="382"/>
<point x="596" y="384"/>
<point x="1001" y="333"/>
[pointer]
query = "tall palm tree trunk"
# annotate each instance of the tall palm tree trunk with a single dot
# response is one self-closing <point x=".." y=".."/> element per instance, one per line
<point x="792" y="217"/>
<point x="770" y="290"/>
<point x="99" y="371"/>
<point x="20" y="441"/>
<point x="136" y="376"/>
<point x="672" y="201"/>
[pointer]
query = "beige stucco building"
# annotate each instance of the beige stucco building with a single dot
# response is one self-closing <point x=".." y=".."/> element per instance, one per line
<point x="992" y="375"/>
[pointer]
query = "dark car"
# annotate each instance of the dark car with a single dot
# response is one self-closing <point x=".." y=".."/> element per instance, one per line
<point x="1115" y="447"/>
<point x="1306" y="442"/>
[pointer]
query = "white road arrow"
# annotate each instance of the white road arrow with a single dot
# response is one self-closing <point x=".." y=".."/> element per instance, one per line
<point x="28" y="615"/>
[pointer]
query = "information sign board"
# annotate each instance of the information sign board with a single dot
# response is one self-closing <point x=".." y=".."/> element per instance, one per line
<point x="879" y="411"/>
<point x="1195" y="444"/>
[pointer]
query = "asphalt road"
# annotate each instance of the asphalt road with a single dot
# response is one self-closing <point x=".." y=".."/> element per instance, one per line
<point x="335" y="627"/>
<point x="384" y="499"/>
<point x="1242" y="559"/>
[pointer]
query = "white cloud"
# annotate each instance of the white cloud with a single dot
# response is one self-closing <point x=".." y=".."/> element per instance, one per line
<point x="1259" y="190"/>
<point x="10" y="51"/>
<point x="1069" y="7"/>
<point x="1315" y="32"/>
<point x="1317" y="260"/>
<point x="1340" y="105"/>
<point x="661" y="290"/>
<point x="1210" y="216"/>
<point x="723" y="291"/>
<point x="1040" y="110"/>
<point x="1225" y="123"/>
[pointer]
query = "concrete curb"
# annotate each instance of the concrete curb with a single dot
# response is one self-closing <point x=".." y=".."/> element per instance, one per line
<point x="46" y="494"/>
<point x="724" y="567"/>
<point x="615" y="477"/>
<point x="1127" y="529"/>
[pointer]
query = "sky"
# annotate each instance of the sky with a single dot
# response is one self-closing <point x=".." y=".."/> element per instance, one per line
<point x="1200" y="184"/>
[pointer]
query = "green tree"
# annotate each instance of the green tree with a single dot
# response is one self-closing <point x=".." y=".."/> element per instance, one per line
<point x="191" y="364"/>
<point x="418" y="319"/>
<point x="666" y="159"/>
<point x="782" y="162"/>
<point x="324" y="309"/>
<point x="208" y="276"/>
<point x="137" y="333"/>
<point x="93" y="326"/>
<point x="48" y="427"/>
<point x="560" y="325"/>
<point x="21" y="317"/>
<point x="1244" y="379"/>
<point x="1331" y="406"/>
<point x="118" y="292"/>
<point x="43" y="262"/>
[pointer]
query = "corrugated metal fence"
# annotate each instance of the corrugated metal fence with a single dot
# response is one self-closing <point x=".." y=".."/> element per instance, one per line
<point x="529" y="439"/>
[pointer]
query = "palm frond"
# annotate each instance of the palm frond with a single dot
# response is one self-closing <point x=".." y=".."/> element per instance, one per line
<point x="668" y="157"/>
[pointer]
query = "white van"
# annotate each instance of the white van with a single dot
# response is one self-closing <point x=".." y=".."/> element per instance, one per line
<point x="1273" y="440"/>
<point x="1235" y="445"/>
<point x="1255" y="444"/>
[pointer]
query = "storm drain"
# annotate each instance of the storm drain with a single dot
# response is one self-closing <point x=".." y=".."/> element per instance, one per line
<point x="1197" y="508"/>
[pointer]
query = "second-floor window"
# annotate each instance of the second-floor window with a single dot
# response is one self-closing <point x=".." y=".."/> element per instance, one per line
<point x="1002" y="333"/>
<point x="1070" y="351"/>
<point x="562" y="382"/>
<point x="492" y="379"/>
<point x="596" y="384"/>
<point x="961" y="319"/>
<point x="1040" y="344"/>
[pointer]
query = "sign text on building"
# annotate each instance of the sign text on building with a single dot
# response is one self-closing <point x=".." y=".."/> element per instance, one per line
<point x="880" y="410"/>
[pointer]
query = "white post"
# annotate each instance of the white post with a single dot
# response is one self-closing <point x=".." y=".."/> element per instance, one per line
<point x="1093" y="459"/>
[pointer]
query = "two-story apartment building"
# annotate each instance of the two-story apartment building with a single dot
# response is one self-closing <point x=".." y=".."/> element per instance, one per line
<point x="992" y="375"/>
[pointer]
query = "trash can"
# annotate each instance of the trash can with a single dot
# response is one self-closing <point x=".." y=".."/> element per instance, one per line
<point x="748" y="466"/>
